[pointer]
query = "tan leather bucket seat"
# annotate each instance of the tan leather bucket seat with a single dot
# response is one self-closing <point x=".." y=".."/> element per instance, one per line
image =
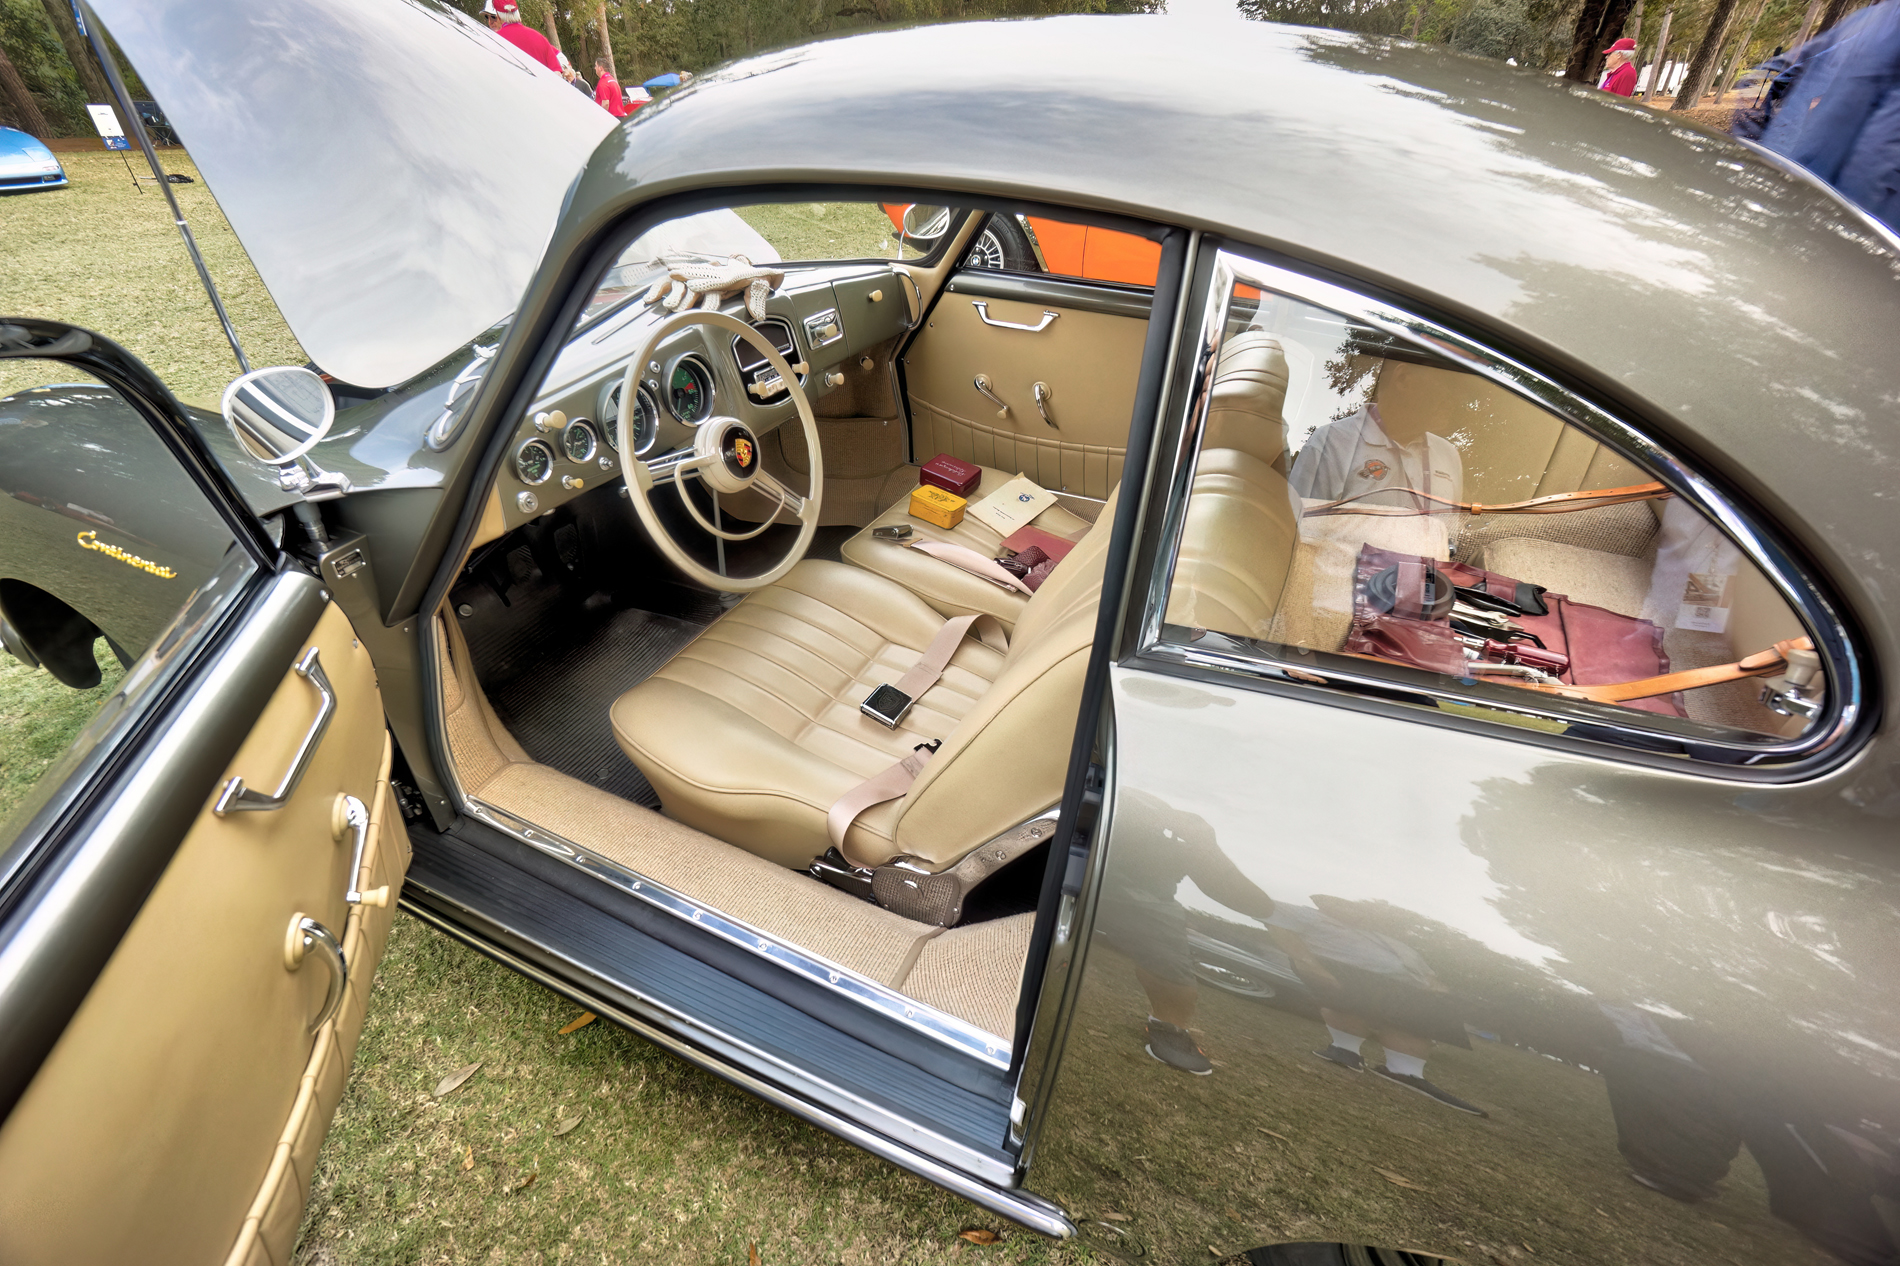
<point x="752" y="732"/>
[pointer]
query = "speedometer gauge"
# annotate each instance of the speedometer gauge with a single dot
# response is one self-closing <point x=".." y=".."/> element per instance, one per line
<point x="689" y="392"/>
<point x="646" y="419"/>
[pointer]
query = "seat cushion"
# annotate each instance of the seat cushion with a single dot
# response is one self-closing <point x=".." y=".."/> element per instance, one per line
<point x="950" y="590"/>
<point x="752" y="731"/>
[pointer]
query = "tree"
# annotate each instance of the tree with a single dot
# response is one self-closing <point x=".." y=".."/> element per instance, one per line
<point x="25" y="108"/>
<point x="91" y="79"/>
<point x="1702" y="65"/>
<point x="1599" y="23"/>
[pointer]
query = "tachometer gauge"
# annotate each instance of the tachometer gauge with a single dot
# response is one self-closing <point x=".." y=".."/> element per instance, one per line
<point x="646" y="419"/>
<point x="534" y="462"/>
<point x="578" y="441"/>
<point x="689" y="393"/>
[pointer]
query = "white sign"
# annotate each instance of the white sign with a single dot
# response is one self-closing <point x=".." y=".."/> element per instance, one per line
<point x="104" y="120"/>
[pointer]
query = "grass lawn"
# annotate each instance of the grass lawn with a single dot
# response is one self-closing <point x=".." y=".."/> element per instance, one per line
<point x="662" y="1162"/>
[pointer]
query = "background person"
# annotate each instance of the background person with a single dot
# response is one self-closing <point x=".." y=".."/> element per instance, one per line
<point x="573" y="76"/>
<point x="607" y="90"/>
<point x="504" y="19"/>
<point x="1621" y="68"/>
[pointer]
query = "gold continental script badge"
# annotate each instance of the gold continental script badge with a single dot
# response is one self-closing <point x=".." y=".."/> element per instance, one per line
<point x="91" y="541"/>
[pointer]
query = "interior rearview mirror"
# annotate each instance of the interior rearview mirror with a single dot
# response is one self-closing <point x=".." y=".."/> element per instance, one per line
<point x="279" y="414"/>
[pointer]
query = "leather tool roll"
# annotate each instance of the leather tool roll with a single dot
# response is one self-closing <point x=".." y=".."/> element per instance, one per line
<point x="1392" y="620"/>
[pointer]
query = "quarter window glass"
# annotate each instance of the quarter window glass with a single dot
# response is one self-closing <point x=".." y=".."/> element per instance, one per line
<point x="1359" y="503"/>
<point x="1034" y="243"/>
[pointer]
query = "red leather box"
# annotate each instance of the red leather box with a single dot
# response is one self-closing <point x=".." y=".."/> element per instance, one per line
<point x="951" y="474"/>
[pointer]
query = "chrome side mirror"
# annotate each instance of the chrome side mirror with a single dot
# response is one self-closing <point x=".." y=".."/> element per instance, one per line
<point x="278" y="415"/>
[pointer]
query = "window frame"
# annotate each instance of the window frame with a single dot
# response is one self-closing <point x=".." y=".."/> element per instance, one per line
<point x="1833" y="736"/>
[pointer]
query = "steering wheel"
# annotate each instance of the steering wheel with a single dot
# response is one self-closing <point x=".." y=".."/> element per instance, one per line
<point x="725" y="452"/>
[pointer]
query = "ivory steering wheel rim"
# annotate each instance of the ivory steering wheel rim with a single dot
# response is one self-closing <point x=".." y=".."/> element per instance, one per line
<point x="721" y="454"/>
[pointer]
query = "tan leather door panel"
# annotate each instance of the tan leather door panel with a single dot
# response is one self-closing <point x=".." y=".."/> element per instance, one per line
<point x="177" y="1118"/>
<point x="1087" y="359"/>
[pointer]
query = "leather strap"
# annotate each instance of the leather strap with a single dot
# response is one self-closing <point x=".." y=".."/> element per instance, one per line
<point x="969" y="560"/>
<point x="886" y="784"/>
<point x="1761" y="664"/>
<point x="1556" y="503"/>
<point x="889" y="784"/>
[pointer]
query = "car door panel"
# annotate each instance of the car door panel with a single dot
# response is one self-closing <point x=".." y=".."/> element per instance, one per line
<point x="176" y="1117"/>
<point x="1087" y="358"/>
<point x="1557" y="900"/>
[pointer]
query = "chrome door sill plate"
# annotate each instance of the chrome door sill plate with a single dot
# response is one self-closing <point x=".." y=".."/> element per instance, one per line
<point x="940" y="1026"/>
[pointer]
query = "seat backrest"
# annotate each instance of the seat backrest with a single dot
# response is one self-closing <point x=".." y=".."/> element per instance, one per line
<point x="1237" y="545"/>
<point x="1246" y="407"/>
<point x="1006" y="760"/>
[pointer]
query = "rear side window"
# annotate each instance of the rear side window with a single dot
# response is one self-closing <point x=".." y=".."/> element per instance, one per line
<point x="1356" y="507"/>
<point x="1082" y="252"/>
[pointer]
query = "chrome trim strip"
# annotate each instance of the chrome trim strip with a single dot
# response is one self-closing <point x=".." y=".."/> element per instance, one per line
<point x="925" y="1153"/>
<point x="1846" y="696"/>
<point x="953" y="1032"/>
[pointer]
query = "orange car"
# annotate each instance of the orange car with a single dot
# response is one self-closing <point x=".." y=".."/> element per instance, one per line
<point x="1036" y="244"/>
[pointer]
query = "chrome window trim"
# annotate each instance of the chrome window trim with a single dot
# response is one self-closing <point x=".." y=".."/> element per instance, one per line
<point x="958" y="1034"/>
<point x="1847" y="682"/>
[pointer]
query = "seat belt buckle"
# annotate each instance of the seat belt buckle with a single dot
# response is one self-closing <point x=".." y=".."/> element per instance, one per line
<point x="886" y="705"/>
<point x="895" y="532"/>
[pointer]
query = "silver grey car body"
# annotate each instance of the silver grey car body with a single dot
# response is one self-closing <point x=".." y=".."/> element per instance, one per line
<point x="1734" y="316"/>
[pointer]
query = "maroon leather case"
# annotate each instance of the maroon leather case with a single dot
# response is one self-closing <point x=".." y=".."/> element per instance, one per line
<point x="951" y="474"/>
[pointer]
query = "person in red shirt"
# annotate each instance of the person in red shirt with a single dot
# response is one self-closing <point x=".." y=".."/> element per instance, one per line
<point x="607" y="90"/>
<point x="1621" y="78"/>
<point x="504" y="19"/>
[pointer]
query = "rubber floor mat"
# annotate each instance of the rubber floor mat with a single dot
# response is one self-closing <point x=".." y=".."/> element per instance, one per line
<point x="556" y="700"/>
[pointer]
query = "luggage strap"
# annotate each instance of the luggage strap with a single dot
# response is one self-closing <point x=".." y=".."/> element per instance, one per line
<point x="890" y="783"/>
<point x="969" y="560"/>
<point x="1761" y="664"/>
<point x="1556" y="503"/>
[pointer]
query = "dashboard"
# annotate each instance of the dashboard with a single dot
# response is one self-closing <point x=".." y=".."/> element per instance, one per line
<point x="569" y="441"/>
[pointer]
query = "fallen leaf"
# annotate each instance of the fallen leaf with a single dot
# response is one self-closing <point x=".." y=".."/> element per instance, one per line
<point x="563" y="1127"/>
<point x="456" y="1078"/>
<point x="1604" y="1214"/>
<point x="468" y="1157"/>
<point x="526" y="1183"/>
<point x="1397" y="1180"/>
<point x="1116" y="1217"/>
<point x="979" y="1235"/>
<point x="752" y="1255"/>
<point x="1527" y="1247"/>
<point x="1230" y="1213"/>
<point x="580" y="1021"/>
<point x="1269" y="1133"/>
<point x="1216" y="1252"/>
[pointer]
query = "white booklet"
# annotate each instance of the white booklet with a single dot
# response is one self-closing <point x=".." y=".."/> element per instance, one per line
<point x="1013" y="505"/>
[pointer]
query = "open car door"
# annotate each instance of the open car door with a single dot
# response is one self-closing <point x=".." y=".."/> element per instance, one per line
<point x="194" y="897"/>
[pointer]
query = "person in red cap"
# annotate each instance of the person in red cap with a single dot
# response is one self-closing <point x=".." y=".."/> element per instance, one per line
<point x="504" y="19"/>
<point x="607" y="90"/>
<point x="1621" y="78"/>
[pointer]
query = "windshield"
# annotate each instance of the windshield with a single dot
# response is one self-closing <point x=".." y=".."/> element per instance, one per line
<point x="775" y="232"/>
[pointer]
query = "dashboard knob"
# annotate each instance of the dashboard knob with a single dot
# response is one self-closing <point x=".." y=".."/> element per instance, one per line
<point x="877" y="296"/>
<point x="569" y="481"/>
<point x="528" y="502"/>
<point x="552" y="421"/>
<point x="834" y="379"/>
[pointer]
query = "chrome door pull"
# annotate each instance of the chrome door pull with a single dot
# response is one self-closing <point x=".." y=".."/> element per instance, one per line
<point x="351" y="818"/>
<point x="983" y="311"/>
<point x="983" y="385"/>
<point x="1043" y="398"/>
<point x="236" y="797"/>
<point x="307" y="934"/>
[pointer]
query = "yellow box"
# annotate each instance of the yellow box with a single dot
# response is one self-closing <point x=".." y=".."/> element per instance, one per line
<point x="934" y="505"/>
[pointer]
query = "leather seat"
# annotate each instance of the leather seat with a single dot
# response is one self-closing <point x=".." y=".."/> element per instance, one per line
<point x="752" y="732"/>
<point x="947" y="589"/>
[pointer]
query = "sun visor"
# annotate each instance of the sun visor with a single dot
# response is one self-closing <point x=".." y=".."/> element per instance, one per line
<point x="393" y="168"/>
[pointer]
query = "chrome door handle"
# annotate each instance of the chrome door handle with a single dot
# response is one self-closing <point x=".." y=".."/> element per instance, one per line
<point x="983" y="385"/>
<point x="307" y="934"/>
<point x="352" y="818"/>
<point x="1043" y="399"/>
<point x="983" y="311"/>
<point x="236" y="797"/>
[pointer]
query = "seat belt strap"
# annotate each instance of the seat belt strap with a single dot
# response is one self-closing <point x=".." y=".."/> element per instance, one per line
<point x="936" y="657"/>
<point x="1555" y="503"/>
<point x="967" y="559"/>
<point x="887" y="784"/>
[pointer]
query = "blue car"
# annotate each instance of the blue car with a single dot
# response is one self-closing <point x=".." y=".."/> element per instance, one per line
<point x="25" y="163"/>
